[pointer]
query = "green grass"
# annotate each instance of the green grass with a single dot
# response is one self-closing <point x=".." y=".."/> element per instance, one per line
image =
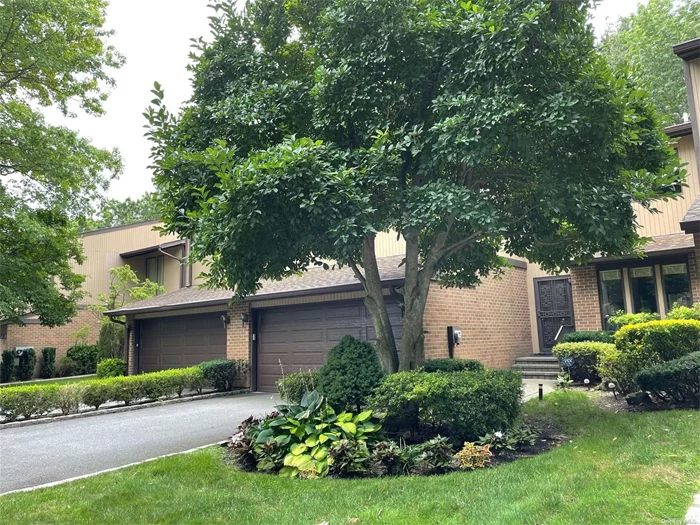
<point x="58" y="381"/>
<point x="620" y="468"/>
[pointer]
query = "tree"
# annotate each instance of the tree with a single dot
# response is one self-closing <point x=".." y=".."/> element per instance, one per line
<point x="642" y="42"/>
<point x="52" y="53"/>
<point x="469" y="128"/>
<point x="114" y="212"/>
<point x="125" y="287"/>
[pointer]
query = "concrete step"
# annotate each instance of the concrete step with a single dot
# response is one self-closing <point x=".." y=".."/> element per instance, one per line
<point x="539" y="375"/>
<point x="537" y="367"/>
<point x="537" y="359"/>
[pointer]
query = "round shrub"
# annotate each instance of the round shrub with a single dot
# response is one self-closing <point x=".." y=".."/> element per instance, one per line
<point x="621" y="319"/>
<point x="350" y="374"/>
<point x="447" y="364"/>
<point x="111" y="368"/>
<point x="223" y="374"/>
<point x="85" y="357"/>
<point x="583" y="335"/>
<point x="48" y="363"/>
<point x="292" y="387"/>
<point x="677" y="380"/>
<point x="586" y="355"/>
<point x="111" y="341"/>
<point x="685" y="312"/>
<point x="66" y="367"/>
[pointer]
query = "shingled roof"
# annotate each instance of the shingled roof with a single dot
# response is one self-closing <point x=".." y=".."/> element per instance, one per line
<point x="662" y="244"/>
<point x="313" y="281"/>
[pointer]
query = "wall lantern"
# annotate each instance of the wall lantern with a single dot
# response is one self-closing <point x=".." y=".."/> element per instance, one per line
<point x="225" y="319"/>
<point x="245" y="319"/>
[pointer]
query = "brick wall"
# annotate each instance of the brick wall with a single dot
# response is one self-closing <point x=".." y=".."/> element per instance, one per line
<point x="59" y="337"/>
<point x="694" y="268"/>
<point x="494" y="318"/>
<point x="584" y="291"/>
<point x="131" y="346"/>
<point x="238" y="336"/>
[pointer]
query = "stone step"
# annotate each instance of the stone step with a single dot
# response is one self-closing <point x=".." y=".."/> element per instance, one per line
<point x="542" y="367"/>
<point x="537" y="359"/>
<point x="540" y="375"/>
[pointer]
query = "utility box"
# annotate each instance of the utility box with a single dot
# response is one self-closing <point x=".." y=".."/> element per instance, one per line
<point x="454" y="338"/>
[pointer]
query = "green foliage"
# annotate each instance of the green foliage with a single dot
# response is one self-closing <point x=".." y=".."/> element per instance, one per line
<point x="685" y="312"/>
<point x="621" y="319"/>
<point x="125" y="287"/>
<point x="585" y="355"/>
<point x="452" y="365"/>
<point x="516" y="438"/>
<point x="27" y="363"/>
<point x="27" y="401"/>
<point x="111" y="341"/>
<point x="111" y="368"/>
<point x="473" y="456"/>
<point x="48" y="362"/>
<point x="51" y="53"/>
<point x="114" y="212"/>
<point x="582" y="336"/>
<point x="348" y="458"/>
<point x="642" y="42"/>
<point x="386" y="459"/>
<point x="466" y="129"/>
<point x="85" y="357"/>
<point x="461" y="405"/>
<point x="435" y="456"/>
<point x="67" y="367"/>
<point x="292" y="387"/>
<point x="69" y="398"/>
<point x="350" y="374"/>
<point x="223" y="374"/>
<point x="98" y="391"/>
<point x="7" y="366"/>
<point x="677" y="380"/>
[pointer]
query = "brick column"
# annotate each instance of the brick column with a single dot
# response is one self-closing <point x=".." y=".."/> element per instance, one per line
<point x="694" y="268"/>
<point x="584" y="290"/>
<point x="238" y="336"/>
<point x="131" y="346"/>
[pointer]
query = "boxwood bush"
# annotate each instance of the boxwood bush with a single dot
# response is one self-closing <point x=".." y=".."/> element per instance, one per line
<point x="586" y="355"/>
<point x="292" y="387"/>
<point x="112" y="367"/>
<point x="223" y="374"/>
<point x="685" y="312"/>
<point x="85" y="357"/>
<point x="583" y="335"/>
<point x="621" y="319"/>
<point x="677" y="380"/>
<point x="447" y="364"/>
<point x="463" y="405"/>
<point x="28" y="401"/>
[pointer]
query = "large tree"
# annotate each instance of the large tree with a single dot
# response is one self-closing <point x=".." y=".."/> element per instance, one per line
<point x="469" y="128"/>
<point x="52" y="53"/>
<point x="642" y="42"/>
<point x="114" y="212"/>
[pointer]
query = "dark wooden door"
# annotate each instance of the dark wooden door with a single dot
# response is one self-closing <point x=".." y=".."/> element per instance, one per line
<point x="554" y="310"/>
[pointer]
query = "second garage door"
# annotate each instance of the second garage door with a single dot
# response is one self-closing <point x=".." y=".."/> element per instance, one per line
<point x="177" y="342"/>
<point x="297" y="338"/>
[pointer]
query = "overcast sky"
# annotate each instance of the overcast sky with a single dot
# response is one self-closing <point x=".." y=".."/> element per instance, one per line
<point x="154" y="35"/>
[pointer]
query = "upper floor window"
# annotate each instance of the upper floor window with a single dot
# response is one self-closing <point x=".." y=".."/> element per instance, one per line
<point x="154" y="269"/>
<point x="3" y="331"/>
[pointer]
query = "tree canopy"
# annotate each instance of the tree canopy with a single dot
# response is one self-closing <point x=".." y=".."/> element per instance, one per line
<point x="470" y="128"/>
<point x="642" y="42"/>
<point x="114" y="212"/>
<point x="52" y="53"/>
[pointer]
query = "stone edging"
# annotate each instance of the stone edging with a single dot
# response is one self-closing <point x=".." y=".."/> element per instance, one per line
<point x="129" y="408"/>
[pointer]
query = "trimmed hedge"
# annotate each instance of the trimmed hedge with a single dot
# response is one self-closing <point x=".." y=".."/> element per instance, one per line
<point x="48" y="362"/>
<point x="463" y="405"/>
<point x="37" y="400"/>
<point x="292" y="387"/>
<point x="677" y="380"/>
<point x="447" y="364"/>
<point x="621" y="319"/>
<point x="111" y="368"/>
<point x="586" y="355"/>
<point x="224" y="373"/>
<point x="85" y="357"/>
<point x="583" y="335"/>
<point x="685" y="312"/>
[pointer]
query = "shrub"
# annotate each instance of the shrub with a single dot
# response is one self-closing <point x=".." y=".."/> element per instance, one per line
<point x="48" y="363"/>
<point x="677" y="380"/>
<point x="27" y="401"/>
<point x="111" y="341"/>
<point x="451" y="365"/>
<point x="386" y="459"/>
<point x="224" y="373"/>
<point x="7" y="366"/>
<point x="85" y="357"/>
<point x="585" y="355"/>
<point x="685" y="312"/>
<point x="621" y="319"/>
<point x="473" y="456"/>
<point x="177" y="381"/>
<point x="350" y="374"/>
<point x="580" y="337"/>
<point x="292" y="387"/>
<point x="461" y="405"/>
<point x="436" y="456"/>
<point x="66" y="367"/>
<point x="111" y="368"/>
<point x="27" y="364"/>
<point x="69" y="397"/>
<point x="348" y="457"/>
<point x="98" y="391"/>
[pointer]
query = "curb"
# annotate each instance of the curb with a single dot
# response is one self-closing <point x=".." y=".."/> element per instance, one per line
<point x="693" y="515"/>
<point x="68" y="480"/>
<point x="117" y="409"/>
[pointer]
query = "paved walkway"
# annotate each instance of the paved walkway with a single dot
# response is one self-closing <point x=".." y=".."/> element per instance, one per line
<point x="531" y="387"/>
<point x="693" y="516"/>
<point x="39" y="454"/>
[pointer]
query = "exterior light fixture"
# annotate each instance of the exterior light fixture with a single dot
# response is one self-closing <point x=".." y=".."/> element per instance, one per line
<point x="245" y="319"/>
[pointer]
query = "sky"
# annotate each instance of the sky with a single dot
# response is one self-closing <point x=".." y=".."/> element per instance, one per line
<point x="154" y="35"/>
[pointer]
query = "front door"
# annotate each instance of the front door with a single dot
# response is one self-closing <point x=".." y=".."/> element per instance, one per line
<point x="554" y="310"/>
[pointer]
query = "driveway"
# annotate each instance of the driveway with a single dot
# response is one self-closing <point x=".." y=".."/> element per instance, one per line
<point x="38" y="454"/>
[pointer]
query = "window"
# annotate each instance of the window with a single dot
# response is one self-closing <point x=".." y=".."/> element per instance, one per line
<point x="3" y="331"/>
<point x="676" y="283"/>
<point x="154" y="269"/>
<point x="643" y="286"/>
<point x="612" y="293"/>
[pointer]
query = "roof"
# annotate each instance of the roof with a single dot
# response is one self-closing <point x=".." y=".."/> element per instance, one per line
<point x="691" y="221"/>
<point x="661" y="245"/>
<point x="156" y="247"/>
<point x="120" y="227"/>
<point x="679" y="130"/>
<point x="689" y="50"/>
<point x="313" y="281"/>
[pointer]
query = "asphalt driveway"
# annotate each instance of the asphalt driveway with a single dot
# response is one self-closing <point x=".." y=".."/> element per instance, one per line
<point x="38" y="454"/>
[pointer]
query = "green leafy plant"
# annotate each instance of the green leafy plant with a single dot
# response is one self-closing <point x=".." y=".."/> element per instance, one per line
<point x="66" y="367"/>
<point x="498" y="442"/>
<point x="452" y="365"/>
<point x="585" y="355"/>
<point x="348" y="458"/>
<point x="677" y="380"/>
<point x="386" y="459"/>
<point x="564" y="382"/>
<point x="69" y="398"/>
<point x="223" y="374"/>
<point x="97" y="392"/>
<point x="7" y="366"/>
<point x="583" y="336"/>
<point x="48" y="362"/>
<point x="111" y="341"/>
<point x="350" y="374"/>
<point x="27" y="364"/>
<point x="621" y="318"/>
<point x="292" y="387"/>
<point x="85" y="357"/>
<point x="473" y="456"/>
<point x="523" y="436"/>
<point x="680" y="311"/>
<point x="28" y="401"/>
<point x="112" y="367"/>
<point x="435" y="456"/>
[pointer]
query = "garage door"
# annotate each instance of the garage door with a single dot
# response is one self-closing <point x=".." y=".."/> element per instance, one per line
<point x="177" y="342"/>
<point x="297" y="338"/>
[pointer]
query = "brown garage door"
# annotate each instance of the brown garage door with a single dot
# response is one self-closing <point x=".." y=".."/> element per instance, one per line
<point x="177" y="342"/>
<point x="299" y="337"/>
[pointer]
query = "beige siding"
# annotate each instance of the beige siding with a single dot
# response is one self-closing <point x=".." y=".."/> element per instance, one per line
<point x="672" y="212"/>
<point x="389" y="243"/>
<point x="694" y="69"/>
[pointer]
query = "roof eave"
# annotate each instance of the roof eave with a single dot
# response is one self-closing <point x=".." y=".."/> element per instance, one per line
<point x="689" y="50"/>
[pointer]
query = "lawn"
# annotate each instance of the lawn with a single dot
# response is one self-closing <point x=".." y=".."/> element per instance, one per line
<point x="631" y="468"/>
<point x="60" y="381"/>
